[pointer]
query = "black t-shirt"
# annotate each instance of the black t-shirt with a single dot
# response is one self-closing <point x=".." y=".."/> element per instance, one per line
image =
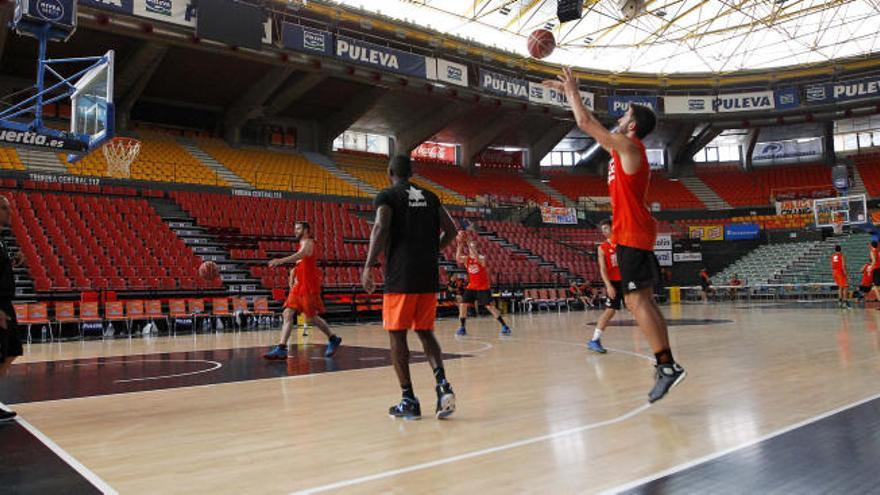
<point x="7" y="277"/>
<point x="411" y="258"/>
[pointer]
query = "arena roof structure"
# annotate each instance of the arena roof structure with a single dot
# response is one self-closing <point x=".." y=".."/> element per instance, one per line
<point x="667" y="37"/>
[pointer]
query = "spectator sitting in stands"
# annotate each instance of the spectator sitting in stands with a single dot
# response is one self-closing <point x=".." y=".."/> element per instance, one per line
<point x="736" y="283"/>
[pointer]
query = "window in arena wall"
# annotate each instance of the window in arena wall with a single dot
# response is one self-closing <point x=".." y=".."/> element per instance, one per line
<point x="360" y="141"/>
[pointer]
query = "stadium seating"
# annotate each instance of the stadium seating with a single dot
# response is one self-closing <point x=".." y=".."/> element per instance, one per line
<point x="9" y="159"/>
<point x="161" y="159"/>
<point x="373" y="169"/>
<point x="868" y="165"/>
<point x="505" y="186"/>
<point x="672" y="194"/>
<point x="739" y="188"/>
<point x="267" y="225"/>
<point x="815" y="266"/>
<point x="87" y="242"/>
<point x="568" y="258"/>
<point x="280" y="171"/>
<point x="506" y="266"/>
<point x="764" y="264"/>
<point x="573" y="186"/>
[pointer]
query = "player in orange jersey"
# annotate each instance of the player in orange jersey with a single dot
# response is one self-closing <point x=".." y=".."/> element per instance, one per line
<point x="305" y="294"/>
<point x="610" y="272"/>
<point x="633" y="229"/>
<point x="838" y="268"/>
<point x="478" y="290"/>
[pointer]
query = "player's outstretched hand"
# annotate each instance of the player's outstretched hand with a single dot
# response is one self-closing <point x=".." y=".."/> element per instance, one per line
<point x="367" y="280"/>
<point x="275" y="262"/>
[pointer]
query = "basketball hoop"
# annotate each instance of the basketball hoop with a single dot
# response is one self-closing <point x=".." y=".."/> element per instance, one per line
<point x="120" y="152"/>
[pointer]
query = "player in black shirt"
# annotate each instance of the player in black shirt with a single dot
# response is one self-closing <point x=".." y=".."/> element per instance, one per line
<point x="411" y="228"/>
<point x="10" y="344"/>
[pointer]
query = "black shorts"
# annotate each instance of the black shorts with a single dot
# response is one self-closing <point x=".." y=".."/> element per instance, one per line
<point x="616" y="303"/>
<point x="639" y="269"/>
<point x="876" y="276"/>
<point x="705" y="286"/>
<point x="10" y="343"/>
<point x="482" y="297"/>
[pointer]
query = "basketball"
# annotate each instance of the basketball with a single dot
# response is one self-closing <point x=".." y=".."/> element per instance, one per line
<point x="209" y="270"/>
<point x="541" y="43"/>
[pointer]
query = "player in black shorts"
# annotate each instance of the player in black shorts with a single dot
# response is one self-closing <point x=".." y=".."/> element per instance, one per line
<point x="705" y="284"/>
<point x="10" y="344"/>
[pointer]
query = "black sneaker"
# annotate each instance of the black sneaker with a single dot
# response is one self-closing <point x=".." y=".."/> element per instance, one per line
<point x="445" y="401"/>
<point x="407" y="409"/>
<point x="668" y="376"/>
<point x="7" y="415"/>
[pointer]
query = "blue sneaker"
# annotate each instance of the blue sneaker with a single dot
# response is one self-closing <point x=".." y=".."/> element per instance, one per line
<point x="333" y="346"/>
<point x="462" y="331"/>
<point x="276" y="353"/>
<point x="596" y="346"/>
<point x="505" y="330"/>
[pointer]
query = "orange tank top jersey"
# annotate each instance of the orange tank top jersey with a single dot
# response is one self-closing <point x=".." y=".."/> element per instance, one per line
<point x="876" y="252"/>
<point x="837" y="262"/>
<point x="610" y="252"/>
<point x="305" y="295"/>
<point x="632" y="225"/>
<point x="478" y="277"/>
<point x="867" y="276"/>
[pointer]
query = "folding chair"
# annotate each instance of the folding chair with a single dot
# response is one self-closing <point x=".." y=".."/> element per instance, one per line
<point x="115" y="311"/>
<point x="134" y="309"/>
<point x="154" y="311"/>
<point x="239" y="306"/>
<point x="177" y="309"/>
<point x="88" y="313"/>
<point x="65" y="312"/>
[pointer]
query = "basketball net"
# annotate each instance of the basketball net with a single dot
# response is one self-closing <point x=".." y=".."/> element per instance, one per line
<point x="120" y="152"/>
<point x="837" y="222"/>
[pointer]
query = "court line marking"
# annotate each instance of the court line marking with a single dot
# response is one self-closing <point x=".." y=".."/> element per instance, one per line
<point x="489" y="450"/>
<point x="71" y="461"/>
<point x="715" y="455"/>
<point x="216" y="366"/>
<point x="208" y="385"/>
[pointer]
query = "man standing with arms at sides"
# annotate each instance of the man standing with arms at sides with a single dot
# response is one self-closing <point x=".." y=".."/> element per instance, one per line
<point x="634" y="230"/>
<point x="610" y="272"/>
<point x="411" y="228"/>
<point x="838" y="269"/>
<point x="10" y="344"/>
<point x="305" y="294"/>
<point x="875" y="270"/>
<point x="478" y="291"/>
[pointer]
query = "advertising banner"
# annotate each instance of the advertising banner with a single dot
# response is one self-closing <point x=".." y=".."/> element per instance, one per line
<point x="706" y="232"/>
<point x="618" y="105"/>
<point x="557" y="215"/>
<point x="794" y="207"/>
<point x="381" y="57"/>
<point x="744" y="102"/>
<point x="547" y="96"/>
<point x="180" y="12"/>
<point x="843" y="91"/>
<point x="787" y="98"/>
<point x="303" y="39"/>
<point x="742" y="231"/>
<point x="663" y="242"/>
<point x="510" y="159"/>
<point x="664" y="258"/>
<point x="435" y="151"/>
<point x="452" y="73"/>
<point x="687" y="104"/>
<point x="687" y="257"/>
<point x="787" y="149"/>
<point x="499" y="84"/>
<point x="119" y="6"/>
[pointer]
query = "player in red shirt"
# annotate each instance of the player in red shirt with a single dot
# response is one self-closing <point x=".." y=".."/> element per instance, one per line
<point x="838" y="268"/>
<point x="478" y="291"/>
<point x="866" y="282"/>
<point x="633" y="230"/>
<point x="305" y="294"/>
<point x="875" y="270"/>
<point x="610" y="272"/>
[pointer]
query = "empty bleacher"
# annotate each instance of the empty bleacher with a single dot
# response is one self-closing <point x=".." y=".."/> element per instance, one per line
<point x="9" y="159"/>
<point x="740" y="188"/>
<point x="373" y="170"/>
<point x="868" y="165"/>
<point x="279" y="171"/>
<point x="504" y="186"/>
<point x="161" y="159"/>
<point x="75" y="242"/>
<point x="766" y="263"/>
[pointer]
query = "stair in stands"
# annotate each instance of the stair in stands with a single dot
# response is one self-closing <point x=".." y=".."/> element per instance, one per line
<point x="704" y="193"/>
<point x="41" y="161"/>
<point x="230" y="177"/>
<point x="328" y="165"/>
<point x="546" y="189"/>
<point x="24" y="285"/>
<point x="516" y="249"/>
<point x="234" y="276"/>
<point x="858" y="183"/>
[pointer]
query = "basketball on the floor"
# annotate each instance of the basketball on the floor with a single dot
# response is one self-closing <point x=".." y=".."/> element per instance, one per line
<point x="541" y="43"/>
<point x="209" y="270"/>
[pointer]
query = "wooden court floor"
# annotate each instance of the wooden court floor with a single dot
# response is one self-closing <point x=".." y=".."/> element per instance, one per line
<point x="537" y="413"/>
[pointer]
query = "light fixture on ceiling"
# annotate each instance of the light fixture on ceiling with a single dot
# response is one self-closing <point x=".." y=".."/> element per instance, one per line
<point x="549" y="26"/>
<point x="505" y="10"/>
<point x="660" y="13"/>
<point x="588" y="40"/>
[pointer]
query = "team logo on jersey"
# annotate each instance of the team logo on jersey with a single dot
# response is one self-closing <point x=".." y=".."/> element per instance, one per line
<point x="473" y="269"/>
<point x="416" y="198"/>
<point x="631" y="286"/>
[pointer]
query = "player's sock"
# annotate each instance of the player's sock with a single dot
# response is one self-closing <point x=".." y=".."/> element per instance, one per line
<point x="462" y="320"/>
<point x="501" y="320"/>
<point x="597" y="334"/>
<point x="664" y="357"/>
<point x="408" y="392"/>
<point x="440" y="375"/>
